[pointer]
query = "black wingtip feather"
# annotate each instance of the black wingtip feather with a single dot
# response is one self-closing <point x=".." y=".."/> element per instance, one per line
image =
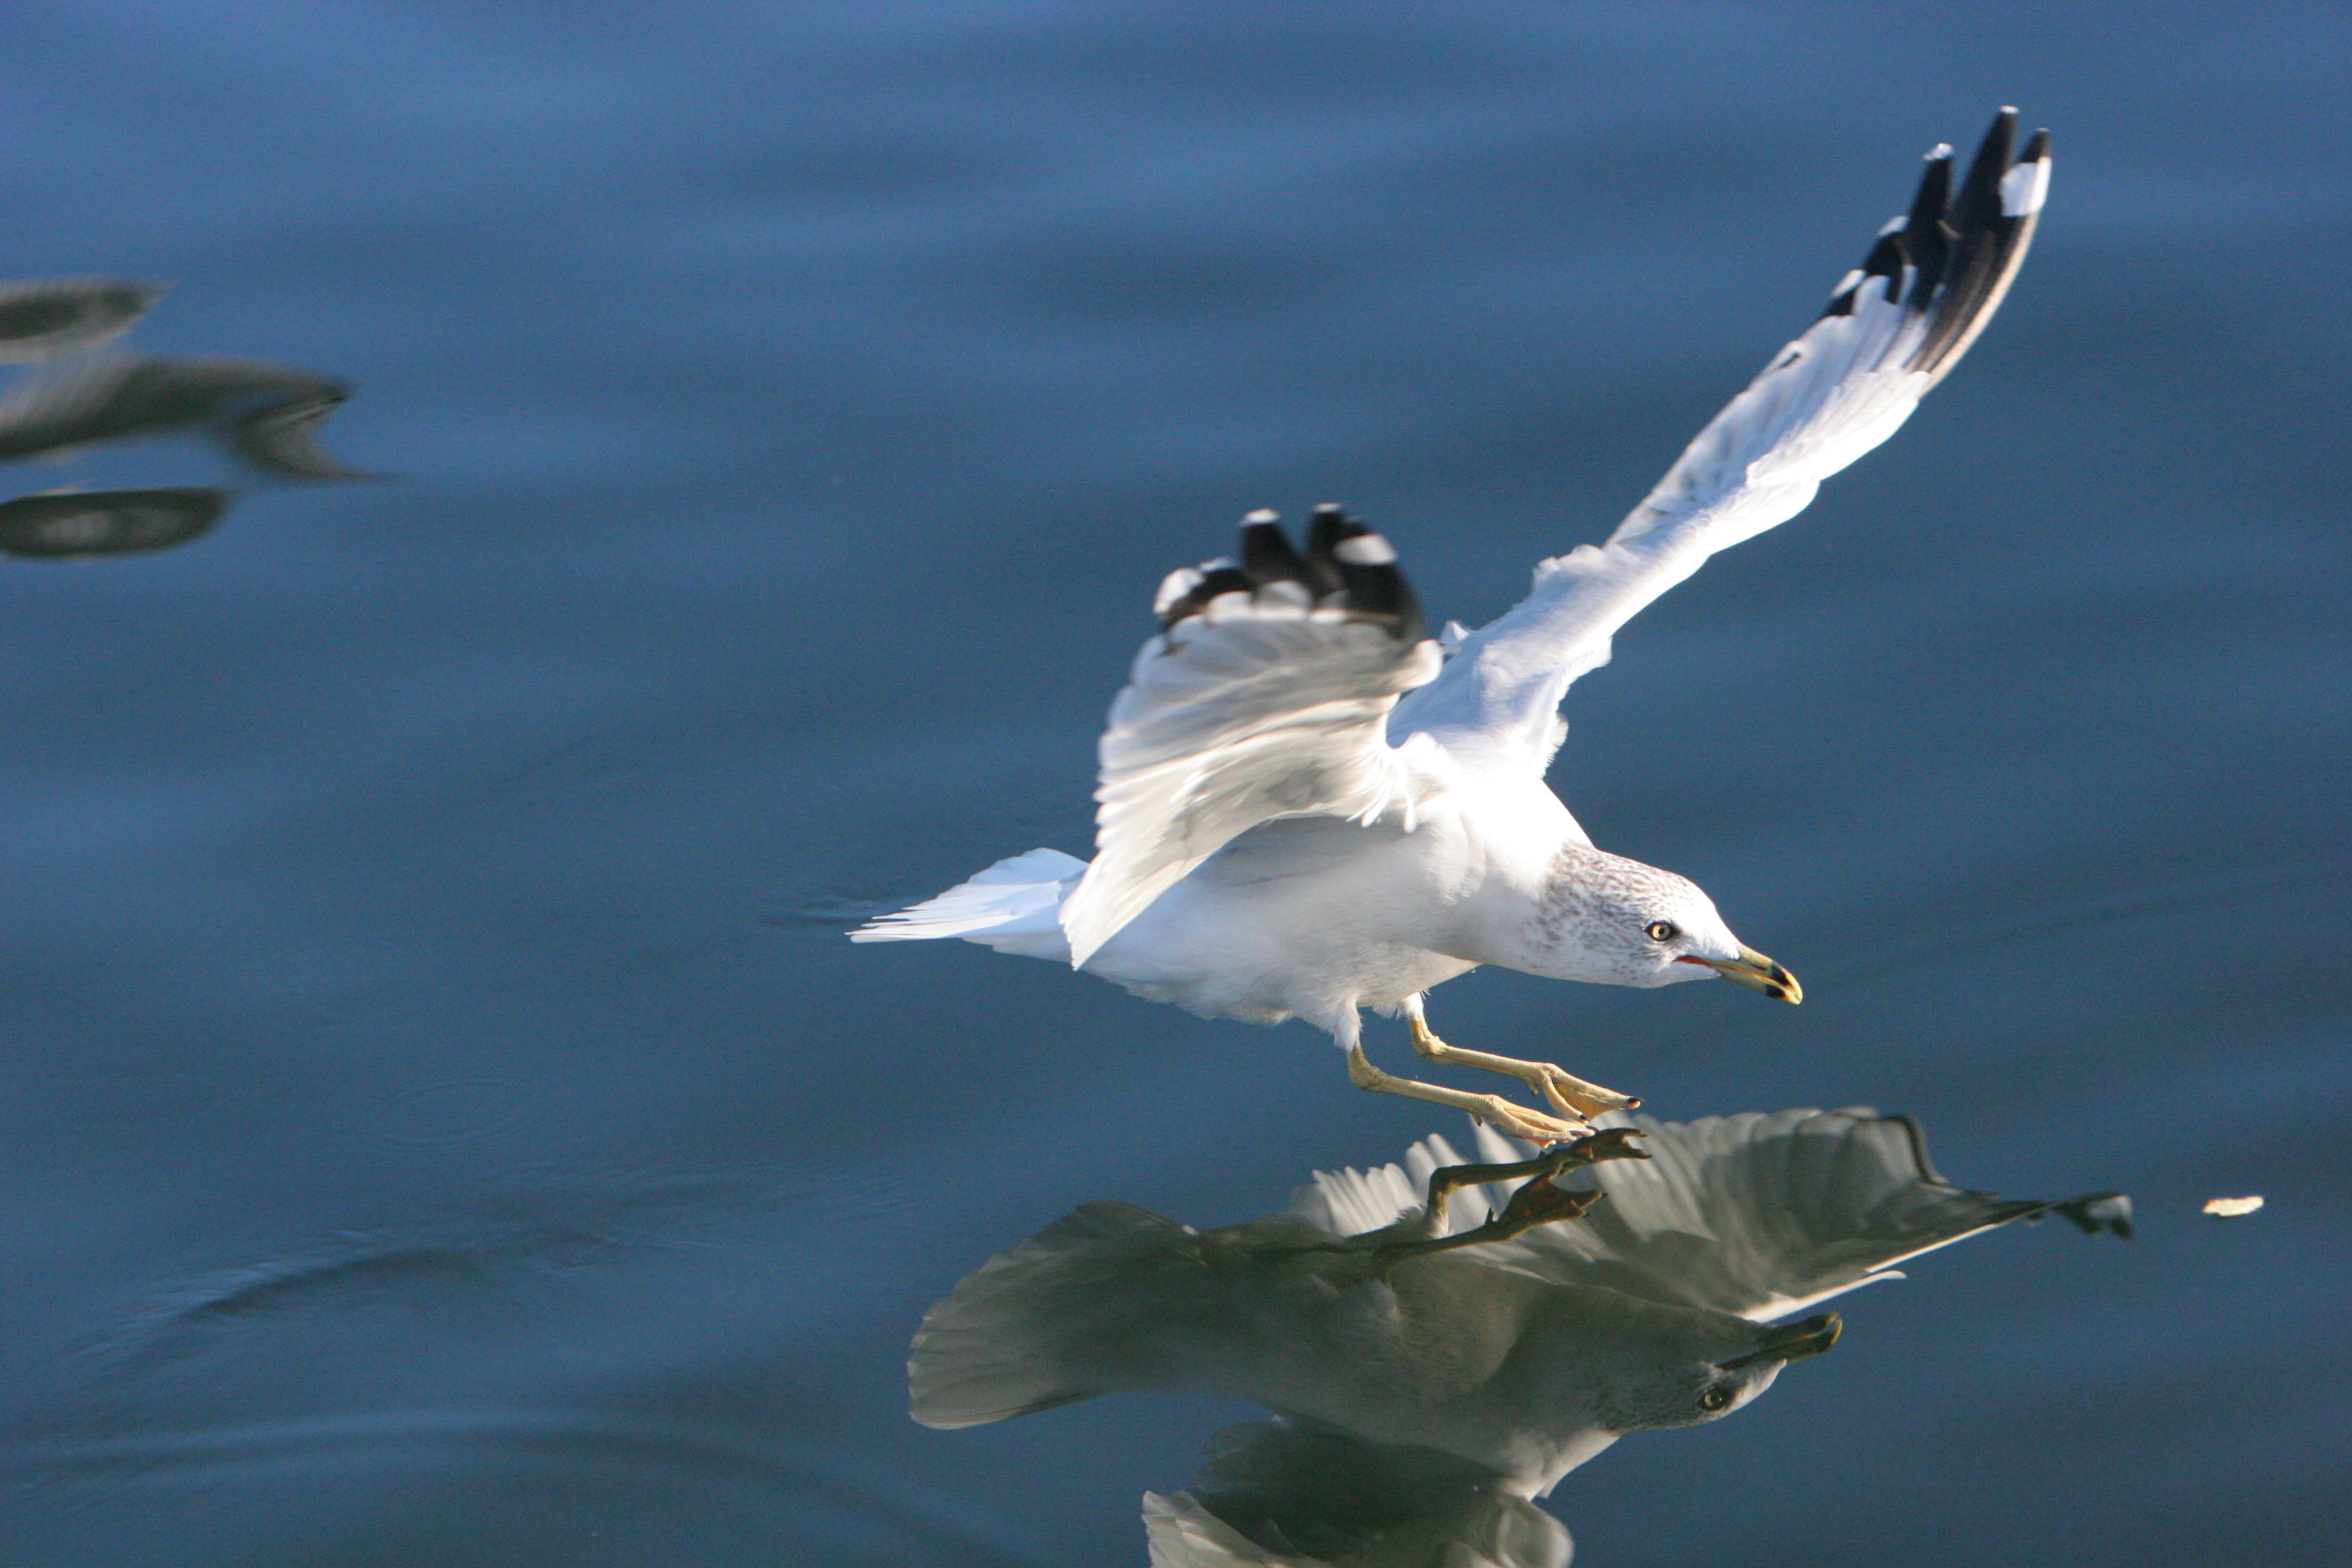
<point x="1373" y="590"/>
<point x="1987" y="246"/>
<point x="1376" y="590"/>
<point x="1267" y="557"/>
<point x="1980" y="196"/>
<point x="1961" y="248"/>
<point x="1214" y="581"/>
<point x="1886" y="260"/>
<point x="1927" y="238"/>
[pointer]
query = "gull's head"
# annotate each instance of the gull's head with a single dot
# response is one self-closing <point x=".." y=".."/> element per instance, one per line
<point x="1649" y="1365"/>
<point x="1613" y="922"/>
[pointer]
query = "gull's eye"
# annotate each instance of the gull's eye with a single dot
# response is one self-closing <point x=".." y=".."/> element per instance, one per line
<point x="1714" y="1398"/>
<point x="1662" y="931"/>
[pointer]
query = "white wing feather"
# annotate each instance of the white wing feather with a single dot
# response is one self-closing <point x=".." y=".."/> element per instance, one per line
<point x="1894" y="328"/>
<point x="1257" y="708"/>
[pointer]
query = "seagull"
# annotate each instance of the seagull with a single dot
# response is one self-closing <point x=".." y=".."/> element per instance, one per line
<point x="1308" y="808"/>
<point x="1435" y="1351"/>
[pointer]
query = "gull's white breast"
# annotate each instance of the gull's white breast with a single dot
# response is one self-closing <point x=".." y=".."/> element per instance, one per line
<point x="1316" y="917"/>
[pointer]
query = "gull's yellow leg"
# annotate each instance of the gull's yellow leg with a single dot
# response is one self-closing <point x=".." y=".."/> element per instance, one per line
<point x="1569" y="1094"/>
<point x="1515" y="1120"/>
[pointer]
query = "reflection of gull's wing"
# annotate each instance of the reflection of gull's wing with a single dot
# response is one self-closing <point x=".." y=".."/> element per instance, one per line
<point x="1267" y="695"/>
<point x="1758" y="1214"/>
<point x="267" y="414"/>
<point x="1067" y="1315"/>
<point x="1274" y="1494"/>
<point x="56" y="315"/>
<point x="1893" y="329"/>
<point x="283" y="438"/>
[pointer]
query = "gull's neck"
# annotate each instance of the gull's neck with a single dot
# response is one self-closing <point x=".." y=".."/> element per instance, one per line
<point x="1519" y="832"/>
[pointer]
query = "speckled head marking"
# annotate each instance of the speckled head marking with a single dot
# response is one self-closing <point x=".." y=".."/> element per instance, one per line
<point x="1604" y="919"/>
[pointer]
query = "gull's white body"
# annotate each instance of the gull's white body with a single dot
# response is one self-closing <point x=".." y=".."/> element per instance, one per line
<point x="1305" y="811"/>
<point x="1317" y="917"/>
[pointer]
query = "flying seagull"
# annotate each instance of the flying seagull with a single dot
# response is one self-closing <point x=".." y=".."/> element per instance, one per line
<point x="1433" y="1363"/>
<point x="1308" y="808"/>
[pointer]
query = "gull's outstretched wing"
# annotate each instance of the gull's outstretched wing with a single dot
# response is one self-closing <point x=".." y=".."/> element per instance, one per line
<point x="1762" y="1214"/>
<point x="1267" y="694"/>
<point x="1893" y="328"/>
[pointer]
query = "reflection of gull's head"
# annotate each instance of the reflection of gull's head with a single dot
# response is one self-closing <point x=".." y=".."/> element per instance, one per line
<point x="1487" y="1372"/>
<point x="1633" y="1365"/>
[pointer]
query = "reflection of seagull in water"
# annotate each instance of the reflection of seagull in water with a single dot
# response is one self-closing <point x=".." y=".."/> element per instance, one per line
<point x="1280" y="834"/>
<point x="266" y="414"/>
<point x="1434" y="1365"/>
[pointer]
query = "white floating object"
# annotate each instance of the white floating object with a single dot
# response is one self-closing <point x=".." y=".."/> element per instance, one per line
<point x="2231" y="1208"/>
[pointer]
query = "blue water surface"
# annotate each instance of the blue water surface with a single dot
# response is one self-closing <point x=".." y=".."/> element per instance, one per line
<point x="442" y="1123"/>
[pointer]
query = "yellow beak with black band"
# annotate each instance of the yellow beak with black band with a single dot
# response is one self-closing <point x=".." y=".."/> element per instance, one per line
<point x="1757" y="972"/>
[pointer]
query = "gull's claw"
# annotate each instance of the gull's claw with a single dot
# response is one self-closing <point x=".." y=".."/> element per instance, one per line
<point x="1541" y="1203"/>
<point x="1570" y="1093"/>
<point x="1531" y="1126"/>
<point x="1517" y="1120"/>
<point x="1609" y="1144"/>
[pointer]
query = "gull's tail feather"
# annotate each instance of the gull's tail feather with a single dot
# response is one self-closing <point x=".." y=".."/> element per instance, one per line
<point x="1067" y="1315"/>
<point x="1014" y="906"/>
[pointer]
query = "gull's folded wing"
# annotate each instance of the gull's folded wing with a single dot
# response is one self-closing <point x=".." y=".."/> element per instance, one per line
<point x="1893" y="328"/>
<point x="1267" y="694"/>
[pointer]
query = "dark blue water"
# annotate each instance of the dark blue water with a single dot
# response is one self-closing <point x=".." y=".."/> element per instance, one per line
<point x="441" y="1122"/>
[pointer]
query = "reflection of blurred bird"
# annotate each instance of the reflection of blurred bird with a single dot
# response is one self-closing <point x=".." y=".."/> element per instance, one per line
<point x="50" y="316"/>
<point x="1487" y="1372"/>
<point x="266" y="414"/>
<point x="64" y="523"/>
<point x="1305" y="812"/>
<point x="1292" y="1494"/>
